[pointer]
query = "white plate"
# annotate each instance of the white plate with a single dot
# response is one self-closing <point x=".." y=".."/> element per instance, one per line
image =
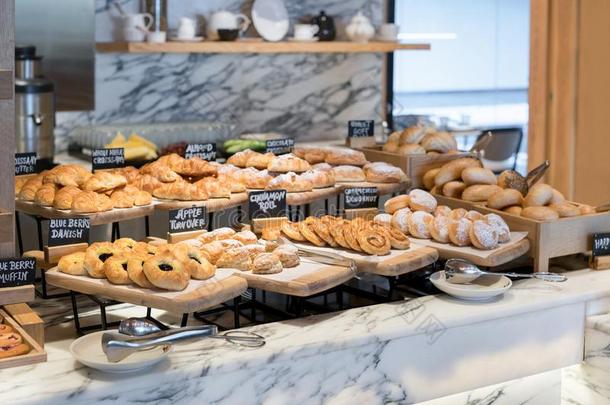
<point x="178" y="39"/>
<point x="483" y="288"/>
<point x="293" y="39"/>
<point x="270" y="18"/>
<point x="88" y="350"/>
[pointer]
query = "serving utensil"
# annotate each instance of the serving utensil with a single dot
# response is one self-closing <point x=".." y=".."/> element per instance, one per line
<point x="321" y="257"/>
<point x="458" y="271"/>
<point x="537" y="172"/>
<point x="482" y="142"/>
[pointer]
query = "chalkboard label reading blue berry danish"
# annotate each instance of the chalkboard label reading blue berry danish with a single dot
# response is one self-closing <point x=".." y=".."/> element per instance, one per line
<point x="267" y="204"/>
<point x="17" y="271"/>
<point x="280" y="146"/>
<point x="25" y="163"/>
<point x="360" y="197"/>
<point x="205" y="151"/>
<point x="601" y="244"/>
<point x="110" y="158"/>
<point x="187" y="219"/>
<point x="360" y="128"/>
<point x="65" y="231"/>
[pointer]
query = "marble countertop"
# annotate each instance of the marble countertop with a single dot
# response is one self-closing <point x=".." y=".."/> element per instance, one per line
<point x="62" y="378"/>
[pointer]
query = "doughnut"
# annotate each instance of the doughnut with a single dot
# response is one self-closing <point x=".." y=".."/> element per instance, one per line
<point x="442" y="210"/>
<point x="306" y="229"/>
<point x="478" y="175"/>
<point x="514" y="210"/>
<point x="4" y="328"/>
<point x="540" y="194"/>
<point x="483" y="235"/>
<point x="337" y="234"/>
<point x="12" y="351"/>
<point x="479" y="192"/>
<point x="115" y="269"/>
<point x="135" y="271"/>
<point x="473" y="215"/>
<point x="10" y="339"/>
<point x="396" y="203"/>
<point x="499" y="226"/>
<point x="323" y="231"/>
<point x="428" y="178"/>
<point x="74" y="263"/>
<point x="383" y="219"/>
<point x="439" y="229"/>
<point x="459" y="232"/>
<point x="540" y="213"/>
<point x="125" y="243"/>
<point x="421" y="200"/>
<point x="288" y="255"/>
<point x="165" y="271"/>
<point x="350" y="232"/>
<point x="95" y="256"/>
<point x="418" y="224"/>
<point x="291" y="230"/>
<point x="194" y="262"/>
<point x="453" y="189"/>
<point x="565" y="209"/>
<point x="373" y="242"/>
<point x="505" y="198"/>
<point x="458" y="213"/>
<point x="400" y="220"/>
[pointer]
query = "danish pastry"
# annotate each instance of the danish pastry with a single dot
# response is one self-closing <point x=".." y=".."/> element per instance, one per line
<point x="10" y="339"/>
<point x="306" y="228"/>
<point x="194" y="262"/>
<point x="373" y="242"/>
<point x="322" y="229"/>
<point x="12" y="351"/>
<point x="350" y="232"/>
<point x="420" y="200"/>
<point x="336" y="232"/>
<point x="74" y="264"/>
<point x="166" y="272"/>
<point x="439" y="229"/>
<point x="288" y="163"/>
<point x="395" y="203"/>
<point x="115" y="269"/>
<point x="95" y="256"/>
<point x="483" y="235"/>
<point x="459" y="232"/>
<point x="291" y="230"/>
<point x="418" y="224"/>
<point x="135" y="271"/>
<point x="266" y="263"/>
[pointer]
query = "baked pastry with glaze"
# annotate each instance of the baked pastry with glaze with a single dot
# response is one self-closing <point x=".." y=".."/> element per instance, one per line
<point x="96" y="254"/>
<point x="73" y="263"/>
<point x="420" y="200"/>
<point x="418" y="224"/>
<point x="115" y="269"/>
<point x="166" y="272"/>
<point x="459" y="232"/>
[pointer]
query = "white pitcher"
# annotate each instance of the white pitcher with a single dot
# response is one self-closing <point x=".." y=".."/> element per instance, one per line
<point x="360" y="28"/>
<point x="226" y="20"/>
<point x="135" y="26"/>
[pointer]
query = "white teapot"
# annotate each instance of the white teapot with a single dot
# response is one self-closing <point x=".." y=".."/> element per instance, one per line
<point x="360" y="28"/>
<point x="226" y="20"/>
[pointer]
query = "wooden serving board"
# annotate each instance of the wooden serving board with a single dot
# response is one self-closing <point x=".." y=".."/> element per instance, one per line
<point x="382" y="188"/>
<point x="212" y="205"/>
<point x="308" y="197"/>
<point x="36" y="354"/>
<point x="16" y="295"/>
<point x="199" y="295"/>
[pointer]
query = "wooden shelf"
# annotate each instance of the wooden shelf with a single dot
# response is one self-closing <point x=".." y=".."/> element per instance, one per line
<point x="6" y="224"/>
<point x="257" y="46"/>
<point x="16" y="295"/>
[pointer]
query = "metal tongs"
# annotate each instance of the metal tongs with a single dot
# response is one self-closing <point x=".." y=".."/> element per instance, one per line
<point x="321" y="257"/>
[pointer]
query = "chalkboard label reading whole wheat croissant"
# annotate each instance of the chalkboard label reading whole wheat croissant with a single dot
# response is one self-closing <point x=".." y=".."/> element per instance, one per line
<point x="110" y="158"/>
<point x="187" y="219"/>
<point x="65" y="231"/>
<point x="205" y="151"/>
<point x="601" y="244"/>
<point x="280" y="146"/>
<point x="360" y="197"/>
<point x="25" y="163"/>
<point x="360" y="128"/>
<point x="17" y="271"/>
<point x="267" y="204"/>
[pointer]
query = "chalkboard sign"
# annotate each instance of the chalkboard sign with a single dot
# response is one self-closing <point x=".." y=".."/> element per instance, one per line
<point x="280" y="146"/>
<point x="360" y="197"/>
<point x="601" y="244"/>
<point x="65" y="231"/>
<point x="360" y="128"/>
<point x="17" y="271"/>
<point x="107" y="158"/>
<point x="25" y="163"/>
<point x="267" y="204"/>
<point x="205" y="151"/>
<point x="187" y="219"/>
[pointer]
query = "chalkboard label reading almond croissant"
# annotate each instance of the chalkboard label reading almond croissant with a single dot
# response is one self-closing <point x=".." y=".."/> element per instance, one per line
<point x="110" y="158"/>
<point x="601" y="244"/>
<point x="267" y="204"/>
<point x="360" y="128"/>
<point x="25" y="163"/>
<point x="360" y="197"/>
<point x="17" y="271"/>
<point x="280" y="146"/>
<point x="205" y="151"/>
<point x="66" y="231"/>
<point x="187" y="219"/>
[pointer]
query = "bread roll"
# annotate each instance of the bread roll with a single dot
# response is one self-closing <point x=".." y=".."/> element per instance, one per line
<point x="411" y="149"/>
<point x="587" y="209"/>
<point x="505" y="198"/>
<point x="479" y="192"/>
<point x="514" y="210"/>
<point x="565" y="209"/>
<point x="540" y="213"/>
<point x="441" y="142"/>
<point x="348" y="174"/>
<point x="391" y="147"/>
<point x="453" y="170"/>
<point x="539" y="195"/>
<point x="413" y="135"/>
<point x="428" y="178"/>
<point x="557" y="197"/>
<point x="453" y="189"/>
<point x="420" y="200"/>
<point x="512" y="179"/>
<point x="344" y="156"/>
<point x="396" y="203"/>
<point x="478" y="175"/>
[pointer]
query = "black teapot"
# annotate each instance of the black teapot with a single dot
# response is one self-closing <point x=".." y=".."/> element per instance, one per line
<point x="326" y="26"/>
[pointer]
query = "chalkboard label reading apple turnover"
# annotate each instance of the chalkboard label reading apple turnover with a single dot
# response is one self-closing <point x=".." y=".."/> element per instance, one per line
<point x="205" y="151"/>
<point x="360" y="128"/>
<point x="360" y="197"/>
<point x="267" y="204"/>
<point x="25" y="163"/>
<point x="601" y="244"/>
<point x="280" y="146"/>
<point x="187" y="219"/>
<point x="110" y="158"/>
<point x="65" y="231"/>
<point x="17" y="271"/>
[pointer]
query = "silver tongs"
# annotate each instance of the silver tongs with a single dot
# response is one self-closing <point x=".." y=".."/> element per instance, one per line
<point x="322" y="257"/>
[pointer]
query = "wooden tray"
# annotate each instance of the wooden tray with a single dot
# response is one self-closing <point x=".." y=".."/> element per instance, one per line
<point x="414" y="166"/>
<point x="28" y="320"/>
<point x="310" y="196"/>
<point x="561" y="237"/>
<point x="212" y="205"/>
<point x="199" y="295"/>
<point x="36" y="355"/>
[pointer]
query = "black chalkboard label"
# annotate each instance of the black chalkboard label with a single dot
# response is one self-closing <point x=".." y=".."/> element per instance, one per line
<point x="205" y="151"/>
<point x="360" y="197"/>
<point x="280" y="146"/>
<point x="25" y="163"/>
<point x="107" y="158"/>
<point x="360" y="128"/>
<point x="267" y="204"/>
<point x="65" y="231"/>
<point x="187" y="219"/>
<point x="601" y="244"/>
<point x="17" y="271"/>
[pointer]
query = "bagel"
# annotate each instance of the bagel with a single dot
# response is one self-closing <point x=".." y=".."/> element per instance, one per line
<point x="540" y="194"/>
<point x="453" y="170"/>
<point x="166" y="272"/>
<point x="505" y="198"/>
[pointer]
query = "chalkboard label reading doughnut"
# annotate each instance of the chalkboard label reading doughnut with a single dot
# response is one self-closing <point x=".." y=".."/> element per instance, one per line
<point x="25" y="163"/>
<point x="280" y="146"/>
<point x="601" y="244"/>
<point x="360" y="197"/>
<point x="267" y="204"/>
<point x="187" y="219"/>
<point x="17" y="271"/>
<point x="205" y="151"/>
<point x="66" y="231"/>
<point x="110" y="158"/>
<point x="360" y="128"/>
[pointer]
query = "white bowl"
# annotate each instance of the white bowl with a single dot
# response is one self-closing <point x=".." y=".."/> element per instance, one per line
<point x="483" y="288"/>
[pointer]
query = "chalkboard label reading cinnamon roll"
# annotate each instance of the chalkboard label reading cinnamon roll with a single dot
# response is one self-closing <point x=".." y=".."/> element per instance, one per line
<point x="66" y="231"/>
<point x="267" y="204"/>
<point x="25" y="163"/>
<point x="280" y="146"/>
<point x="360" y="197"/>
<point x="360" y="128"/>
<point x="601" y="244"/>
<point x="205" y="151"/>
<point x="187" y="219"/>
<point x="17" y="271"/>
<point x="110" y="158"/>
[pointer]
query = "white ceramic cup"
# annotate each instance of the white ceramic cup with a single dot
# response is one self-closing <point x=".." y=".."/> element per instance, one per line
<point x="135" y="27"/>
<point x="305" y="31"/>
<point x="389" y="32"/>
<point x="156" y="37"/>
<point x="187" y="28"/>
<point x="226" y="20"/>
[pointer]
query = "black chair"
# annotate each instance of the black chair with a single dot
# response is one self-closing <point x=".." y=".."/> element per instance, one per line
<point x="501" y="152"/>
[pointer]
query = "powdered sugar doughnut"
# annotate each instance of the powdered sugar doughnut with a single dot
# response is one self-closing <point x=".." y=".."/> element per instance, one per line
<point x="458" y="213"/>
<point x="400" y="220"/>
<point x="439" y="228"/>
<point x="459" y="232"/>
<point x="422" y="201"/>
<point x="396" y="203"/>
<point x="383" y="219"/>
<point x="418" y="224"/>
<point x="499" y="226"/>
<point x="442" y="210"/>
<point x="474" y="215"/>
<point x="483" y="235"/>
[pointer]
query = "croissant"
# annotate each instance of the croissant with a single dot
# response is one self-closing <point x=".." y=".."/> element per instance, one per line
<point x="67" y="175"/>
<point x="122" y="199"/>
<point x="45" y="195"/>
<point x="161" y="171"/>
<point x="194" y="167"/>
<point x="240" y="159"/>
<point x="103" y="181"/>
<point x="65" y="196"/>
<point x="214" y="187"/>
<point x="129" y="172"/>
<point x="182" y="191"/>
<point x="90" y="201"/>
<point x="260" y="160"/>
<point x="146" y="182"/>
<point x="29" y="189"/>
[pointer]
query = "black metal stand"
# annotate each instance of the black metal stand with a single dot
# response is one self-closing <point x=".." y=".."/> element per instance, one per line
<point x="19" y="238"/>
<point x="102" y="303"/>
<point x="116" y="232"/>
<point x="147" y="225"/>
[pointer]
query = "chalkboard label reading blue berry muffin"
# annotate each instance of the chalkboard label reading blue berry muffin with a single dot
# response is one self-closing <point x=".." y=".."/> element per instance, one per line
<point x="267" y="204"/>
<point x="65" y="231"/>
<point x="187" y="219"/>
<point x="17" y="271"/>
<point x="280" y="146"/>
<point x="25" y="163"/>
<point x="360" y="128"/>
<point x="601" y="244"/>
<point x="110" y="158"/>
<point x="360" y="197"/>
<point x="205" y="151"/>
